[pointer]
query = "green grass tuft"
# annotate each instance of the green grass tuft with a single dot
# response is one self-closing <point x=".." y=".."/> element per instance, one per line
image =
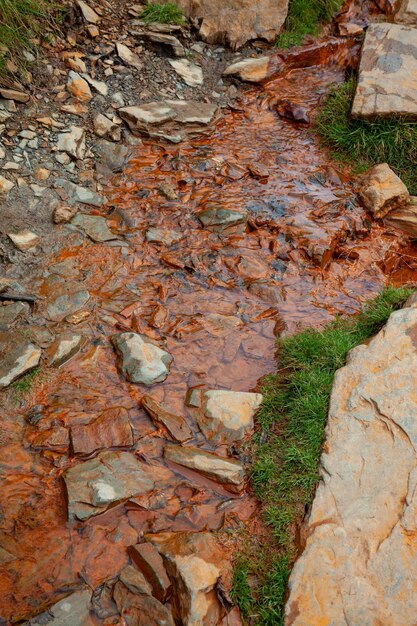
<point x="364" y="143"/>
<point x="24" y="384"/>
<point x="286" y="449"/>
<point x="21" y="21"/>
<point x="168" y="13"/>
<point x="305" y="17"/>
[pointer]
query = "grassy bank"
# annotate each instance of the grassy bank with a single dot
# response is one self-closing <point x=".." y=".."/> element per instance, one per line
<point x="306" y="17"/>
<point x="286" y="448"/>
<point x="23" y="21"/>
<point x="363" y="143"/>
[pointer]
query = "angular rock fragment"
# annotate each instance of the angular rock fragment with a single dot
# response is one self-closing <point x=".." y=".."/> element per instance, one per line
<point x="129" y="57"/>
<point x="163" y="236"/>
<point x="405" y="219"/>
<point x="89" y="14"/>
<point x="219" y="219"/>
<point x="292" y="111"/>
<point x="56" y="439"/>
<point x="224" y="471"/>
<point x="63" y="348"/>
<point x="64" y="214"/>
<point x="173" y="120"/>
<point x="17" y="356"/>
<point x="176" y="425"/>
<point x="111" y="429"/>
<point x="103" y="127"/>
<point x="75" y="193"/>
<point x="249" y="70"/>
<point x="166" y="40"/>
<point x="71" y="611"/>
<point x="191" y="73"/>
<point x="67" y="304"/>
<point x="382" y="191"/>
<point x="357" y="566"/>
<point x="78" y="87"/>
<point x="387" y="83"/>
<point x="134" y="580"/>
<point x="73" y="142"/>
<point x="140" y="609"/>
<point x="195" y="562"/>
<point x="94" y="226"/>
<point x="9" y="313"/>
<point x="140" y="360"/>
<point x="227" y="416"/>
<point x="13" y="94"/>
<point x="5" y="185"/>
<point x="110" y="478"/>
<point x="147" y="558"/>
<point x="98" y="85"/>
<point x="24" y="240"/>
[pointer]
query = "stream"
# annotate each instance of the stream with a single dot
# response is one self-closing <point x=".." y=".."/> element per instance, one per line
<point x="215" y="301"/>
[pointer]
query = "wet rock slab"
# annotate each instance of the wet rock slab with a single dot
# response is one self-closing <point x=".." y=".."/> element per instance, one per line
<point x="387" y="82"/>
<point x="17" y="356"/>
<point x="140" y="360"/>
<point x="147" y="558"/>
<point x="405" y="219"/>
<point x="96" y="485"/>
<point x="73" y="610"/>
<point x="67" y="304"/>
<point x="173" y="120"/>
<point x="194" y="562"/>
<point x="63" y="348"/>
<point x="219" y="219"/>
<point x="110" y="430"/>
<point x="176" y="425"/>
<point x="227" y="416"/>
<point x="219" y="469"/>
<point x="94" y="226"/>
<point x="359" y="562"/>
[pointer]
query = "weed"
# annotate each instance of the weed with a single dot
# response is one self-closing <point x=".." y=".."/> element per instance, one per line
<point x="363" y="143"/>
<point x="285" y="451"/>
<point x="168" y="13"/>
<point x="305" y="17"/>
<point x="24" y="384"/>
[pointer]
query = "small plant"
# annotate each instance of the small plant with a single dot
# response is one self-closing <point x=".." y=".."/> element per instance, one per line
<point x="286" y="449"/>
<point x="24" y="384"/>
<point x="363" y="143"/>
<point x="305" y="17"/>
<point x="168" y="13"/>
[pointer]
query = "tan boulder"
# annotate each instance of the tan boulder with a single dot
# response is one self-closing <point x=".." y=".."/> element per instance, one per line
<point x="234" y="22"/>
<point x="381" y="191"/>
<point x="359" y="565"/>
<point x="405" y="219"/>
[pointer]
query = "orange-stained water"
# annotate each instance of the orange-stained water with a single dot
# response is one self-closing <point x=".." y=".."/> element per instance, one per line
<point x="310" y="252"/>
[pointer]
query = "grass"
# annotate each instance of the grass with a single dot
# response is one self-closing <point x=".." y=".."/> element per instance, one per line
<point x="305" y="17"/>
<point x="286" y="449"/>
<point x="21" y="22"/>
<point x="364" y="143"/>
<point x="23" y="385"/>
<point x="168" y="13"/>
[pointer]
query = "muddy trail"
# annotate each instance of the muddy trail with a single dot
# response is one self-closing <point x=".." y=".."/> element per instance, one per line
<point x="213" y="294"/>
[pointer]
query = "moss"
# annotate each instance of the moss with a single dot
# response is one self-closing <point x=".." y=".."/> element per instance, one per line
<point x="363" y="143"/>
<point x="286" y="448"/>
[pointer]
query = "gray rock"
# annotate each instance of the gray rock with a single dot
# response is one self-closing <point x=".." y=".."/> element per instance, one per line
<point x="110" y="478"/>
<point x="94" y="226"/>
<point x="17" y="356"/>
<point x="163" y="236"/>
<point x="67" y="304"/>
<point x="191" y="73"/>
<point x="73" y="142"/>
<point x="219" y="219"/>
<point x="76" y="193"/>
<point x="172" y="120"/>
<point x="63" y="348"/>
<point x="387" y="83"/>
<point x="225" y="471"/>
<point x="165" y="39"/>
<point x="74" y="610"/>
<point x="140" y="360"/>
<point x="9" y="313"/>
<point x="103" y="127"/>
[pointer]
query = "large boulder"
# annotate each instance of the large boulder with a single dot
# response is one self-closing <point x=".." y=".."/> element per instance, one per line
<point x="234" y="22"/>
<point x="359" y="565"/>
<point x="387" y="82"/>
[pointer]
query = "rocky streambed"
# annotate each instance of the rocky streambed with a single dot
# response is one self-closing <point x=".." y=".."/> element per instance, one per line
<point x="124" y="476"/>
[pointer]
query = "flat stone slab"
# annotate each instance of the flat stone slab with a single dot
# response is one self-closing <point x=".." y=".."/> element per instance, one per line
<point x="110" y="430"/>
<point x="387" y="82"/>
<point x="63" y="348"/>
<point x="73" y="610"/>
<point x="221" y="470"/>
<point x="110" y="478"/>
<point x="17" y="356"/>
<point x="67" y="304"/>
<point x="359" y="565"/>
<point x="94" y="226"/>
<point x="175" y="425"/>
<point x="173" y="120"/>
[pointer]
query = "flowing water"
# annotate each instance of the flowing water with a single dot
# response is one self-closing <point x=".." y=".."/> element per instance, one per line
<point x="216" y="302"/>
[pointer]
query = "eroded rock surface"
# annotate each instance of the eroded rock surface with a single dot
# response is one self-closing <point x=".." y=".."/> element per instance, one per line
<point x="405" y="218"/>
<point x="359" y="563"/>
<point x="234" y="22"/>
<point x="17" y="356"/>
<point x="95" y="485"/>
<point x="387" y="82"/>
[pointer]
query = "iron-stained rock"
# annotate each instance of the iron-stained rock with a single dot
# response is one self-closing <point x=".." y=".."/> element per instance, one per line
<point x="147" y="558"/>
<point x="382" y="191"/>
<point x="176" y="425"/>
<point x="111" y="429"/>
<point x="17" y="356"/>
<point x="140" y="360"/>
